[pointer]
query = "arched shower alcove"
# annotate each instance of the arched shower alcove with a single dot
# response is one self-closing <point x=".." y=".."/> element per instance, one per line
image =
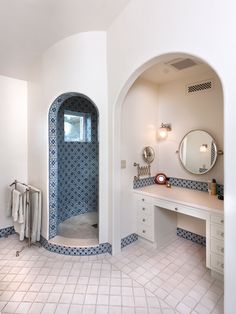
<point x="73" y="170"/>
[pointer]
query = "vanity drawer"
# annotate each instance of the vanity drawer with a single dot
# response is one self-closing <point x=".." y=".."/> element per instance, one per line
<point x="145" y="219"/>
<point x="217" y="246"/>
<point x="217" y="220"/>
<point x="145" y="208"/>
<point x="217" y="231"/>
<point x="146" y="232"/>
<point x="217" y="262"/>
<point x="144" y="198"/>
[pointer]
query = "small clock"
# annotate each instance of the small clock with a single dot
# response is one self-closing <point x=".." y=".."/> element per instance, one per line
<point x="161" y="178"/>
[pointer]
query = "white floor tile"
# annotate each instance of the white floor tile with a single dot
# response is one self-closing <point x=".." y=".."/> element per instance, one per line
<point x="140" y="279"/>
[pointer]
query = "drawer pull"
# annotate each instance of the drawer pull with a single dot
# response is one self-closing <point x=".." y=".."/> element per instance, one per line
<point x="144" y="219"/>
<point x="144" y="231"/>
<point x="222" y="234"/>
<point x="143" y="199"/>
<point x="222" y="250"/>
<point x="143" y="208"/>
<point x="176" y="208"/>
<point x="222" y="221"/>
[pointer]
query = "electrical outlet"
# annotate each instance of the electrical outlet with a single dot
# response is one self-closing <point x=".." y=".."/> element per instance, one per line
<point x="123" y="164"/>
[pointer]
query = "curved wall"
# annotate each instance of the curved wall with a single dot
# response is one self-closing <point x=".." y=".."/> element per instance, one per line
<point x="177" y="26"/>
<point x="75" y="64"/>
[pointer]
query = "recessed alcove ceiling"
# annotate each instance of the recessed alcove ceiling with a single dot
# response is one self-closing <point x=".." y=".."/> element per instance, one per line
<point x="29" y="27"/>
<point x="176" y="67"/>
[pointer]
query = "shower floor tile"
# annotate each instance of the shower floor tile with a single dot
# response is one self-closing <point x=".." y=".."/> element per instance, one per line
<point x="78" y="231"/>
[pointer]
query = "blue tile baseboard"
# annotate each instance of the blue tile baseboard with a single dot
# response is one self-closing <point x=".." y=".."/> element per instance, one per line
<point x="184" y="183"/>
<point x="129" y="239"/>
<point x="191" y="236"/>
<point x="7" y="231"/>
<point x="75" y="251"/>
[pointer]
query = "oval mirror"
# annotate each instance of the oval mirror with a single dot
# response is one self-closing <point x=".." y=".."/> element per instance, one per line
<point x="148" y="154"/>
<point x="198" y="152"/>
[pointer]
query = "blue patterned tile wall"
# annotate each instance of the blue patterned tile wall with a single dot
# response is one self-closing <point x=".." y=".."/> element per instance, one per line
<point x="184" y="183"/>
<point x="53" y="159"/>
<point x="77" y="164"/>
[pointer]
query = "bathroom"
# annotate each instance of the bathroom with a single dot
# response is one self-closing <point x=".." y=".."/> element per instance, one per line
<point x="121" y="70"/>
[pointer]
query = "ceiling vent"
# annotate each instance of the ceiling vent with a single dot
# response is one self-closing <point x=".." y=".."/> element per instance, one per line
<point x="199" y="87"/>
<point x="182" y="64"/>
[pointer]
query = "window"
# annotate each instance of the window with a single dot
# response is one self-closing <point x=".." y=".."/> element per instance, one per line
<point x="77" y="126"/>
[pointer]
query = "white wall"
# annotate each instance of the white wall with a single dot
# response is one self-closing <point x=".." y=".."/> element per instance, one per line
<point x="13" y="139"/>
<point x="138" y="129"/>
<point x="75" y="64"/>
<point x="143" y="32"/>
<point x="201" y="110"/>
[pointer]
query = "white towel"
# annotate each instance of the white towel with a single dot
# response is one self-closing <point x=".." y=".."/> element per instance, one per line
<point x="35" y="204"/>
<point x="19" y="209"/>
<point x="15" y="204"/>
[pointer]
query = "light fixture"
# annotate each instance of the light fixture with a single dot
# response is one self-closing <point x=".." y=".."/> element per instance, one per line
<point x="203" y="148"/>
<point x="163" y="130"/>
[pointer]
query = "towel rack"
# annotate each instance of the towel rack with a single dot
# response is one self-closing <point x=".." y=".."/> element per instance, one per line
<point x="28" y="189"/>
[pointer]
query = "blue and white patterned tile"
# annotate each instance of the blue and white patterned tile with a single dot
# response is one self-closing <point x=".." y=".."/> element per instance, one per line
<point x="82" y="251"/>
<point x="129" y="239"/>
<point x="7" y="231"/>
<point x="191" y="236"/>
<point x="184" y="183"/>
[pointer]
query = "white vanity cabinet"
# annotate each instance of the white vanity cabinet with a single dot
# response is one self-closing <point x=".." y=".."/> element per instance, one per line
<point x="217" y="243"/>
<point x="157" y="208"/>
<point x="145" y="218"/>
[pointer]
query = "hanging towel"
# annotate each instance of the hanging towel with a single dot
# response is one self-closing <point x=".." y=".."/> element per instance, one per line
<point x="19" y="210"/>
<point x="15" y="204"/>
<point x="35" y="201"/>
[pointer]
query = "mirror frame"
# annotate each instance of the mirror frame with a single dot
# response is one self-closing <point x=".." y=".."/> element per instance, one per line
<point x="216" y="150"/>
<point x="153" y="155"/>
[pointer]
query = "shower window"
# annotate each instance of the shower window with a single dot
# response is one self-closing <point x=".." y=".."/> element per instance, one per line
<point x="77" y="126"/>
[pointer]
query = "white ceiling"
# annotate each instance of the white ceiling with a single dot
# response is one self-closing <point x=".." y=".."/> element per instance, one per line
<point x="163" y="72"/>
<point x="29" y="27"/>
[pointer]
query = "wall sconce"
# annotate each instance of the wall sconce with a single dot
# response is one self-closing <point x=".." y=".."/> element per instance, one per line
<point x="203" y="148"/>
<point x="163" y="130"/>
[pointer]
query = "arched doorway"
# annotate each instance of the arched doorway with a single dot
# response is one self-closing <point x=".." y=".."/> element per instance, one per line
<point x="117" y="136"/>
<point x="74" y="169"/>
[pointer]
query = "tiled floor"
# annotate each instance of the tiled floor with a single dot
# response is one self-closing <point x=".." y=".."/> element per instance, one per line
<point x="139" y="280"/>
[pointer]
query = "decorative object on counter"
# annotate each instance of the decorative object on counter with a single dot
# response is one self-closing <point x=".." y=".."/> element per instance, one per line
<point x="196" y="157"/>
<point x="212" y="187"/>
<point x="142" y="171"/>
<point x="148" y="154"/>
<point x="163" y="130"/>
<point x="161" y="178"/>
<point x="168" y="185"/>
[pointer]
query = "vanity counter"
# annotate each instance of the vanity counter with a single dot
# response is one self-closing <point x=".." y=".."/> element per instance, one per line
<point x="188" y="197"/>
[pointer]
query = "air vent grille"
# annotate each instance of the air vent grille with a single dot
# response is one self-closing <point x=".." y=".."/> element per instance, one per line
<point x="206" y="85"/>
